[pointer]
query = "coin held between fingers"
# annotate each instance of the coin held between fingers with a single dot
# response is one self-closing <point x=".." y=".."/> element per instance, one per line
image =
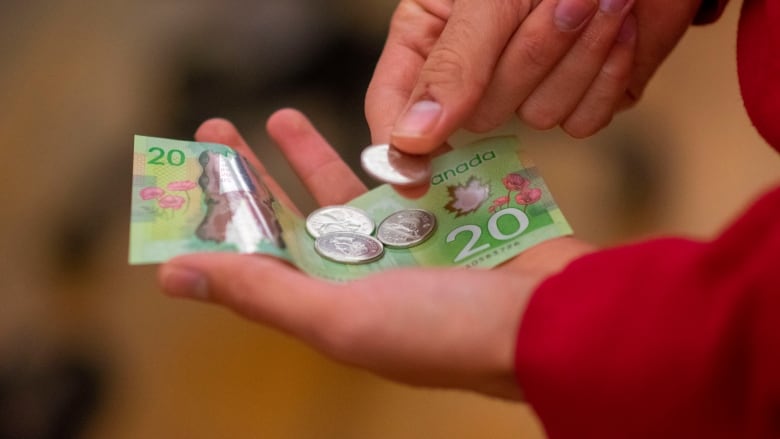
<point x="389" y="165"/>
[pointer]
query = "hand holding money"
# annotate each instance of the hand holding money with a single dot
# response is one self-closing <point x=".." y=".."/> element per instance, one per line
<point x="487" y="203"/>
<point x="433" y="327"/>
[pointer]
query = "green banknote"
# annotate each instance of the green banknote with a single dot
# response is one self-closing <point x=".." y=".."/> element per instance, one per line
<point x="488" y="198"/>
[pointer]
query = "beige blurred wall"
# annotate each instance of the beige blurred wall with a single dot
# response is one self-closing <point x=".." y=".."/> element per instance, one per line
<point x="78" y="74"/>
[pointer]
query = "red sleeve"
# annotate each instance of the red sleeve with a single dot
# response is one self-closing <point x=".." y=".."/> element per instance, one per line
<point x="665" y="339"/>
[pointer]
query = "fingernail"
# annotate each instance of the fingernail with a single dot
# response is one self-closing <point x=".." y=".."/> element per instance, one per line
<point x="612" y="6"/>
<point x="572" y="14"/>
<point x="184" y="282"/>
<point x="627" y="30"/>
<point x="419" y="119"/>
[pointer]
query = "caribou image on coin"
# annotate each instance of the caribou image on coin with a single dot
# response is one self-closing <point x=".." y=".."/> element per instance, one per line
<point x="406" y="228"/>
<point x="389" y="165"/>
<point x="331" y="219"/>
<point x="349" y="247"/>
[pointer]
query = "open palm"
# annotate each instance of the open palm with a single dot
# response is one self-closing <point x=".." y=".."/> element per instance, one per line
<point x="432" y="327"/>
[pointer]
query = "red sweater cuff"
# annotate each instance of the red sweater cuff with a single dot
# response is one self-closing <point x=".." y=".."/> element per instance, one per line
<point x="668" y="338"/>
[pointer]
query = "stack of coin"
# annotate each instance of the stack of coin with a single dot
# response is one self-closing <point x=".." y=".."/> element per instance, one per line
<point x="344" y="234"/>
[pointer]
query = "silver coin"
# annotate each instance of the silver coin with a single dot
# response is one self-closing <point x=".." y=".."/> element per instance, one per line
<point x="389" y="165"/>
<point x="406" y="228"/>
<point x="331" y="219"/>
<point x="349" y="247"/>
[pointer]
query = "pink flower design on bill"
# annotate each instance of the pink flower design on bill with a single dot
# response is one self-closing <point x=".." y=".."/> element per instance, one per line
<point x="174" y="202"/>
<point x="183" y="185"/>
<point x="515" y="182"/>
<point x="529" y="196"/>
<point x="525" y="196"/>
<point x="498" y="203"/>
<point x="151" y="193"/>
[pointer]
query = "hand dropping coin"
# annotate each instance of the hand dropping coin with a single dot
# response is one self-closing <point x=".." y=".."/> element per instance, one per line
<point x="389" y="165"/>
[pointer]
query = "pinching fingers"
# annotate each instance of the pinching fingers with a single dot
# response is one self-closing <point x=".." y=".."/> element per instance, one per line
<point x="456" y="72"/>
<point x="565" y="86"/>
<point x="608" y="90"/>
<point x="534" y="50"/>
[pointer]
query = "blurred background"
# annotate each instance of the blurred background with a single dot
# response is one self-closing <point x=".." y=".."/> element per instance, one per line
<point x="90" y="348"/>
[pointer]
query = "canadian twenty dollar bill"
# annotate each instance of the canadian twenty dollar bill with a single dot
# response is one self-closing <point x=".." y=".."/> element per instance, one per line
<point x="489" y="201"/>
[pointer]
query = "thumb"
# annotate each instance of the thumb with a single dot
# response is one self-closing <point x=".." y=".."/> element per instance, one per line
<point x="456" y="73"/>
<point x="261" y="288"/>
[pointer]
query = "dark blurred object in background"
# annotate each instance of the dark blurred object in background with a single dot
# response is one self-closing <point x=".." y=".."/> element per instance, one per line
<point x="48" y="397"/>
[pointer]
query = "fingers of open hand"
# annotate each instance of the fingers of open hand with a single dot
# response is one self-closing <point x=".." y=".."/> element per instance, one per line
<point x="580" y="70"/>
<point x="224" y="132"/>
<point x="456" y="71"/>
<point x="320" y="168"/>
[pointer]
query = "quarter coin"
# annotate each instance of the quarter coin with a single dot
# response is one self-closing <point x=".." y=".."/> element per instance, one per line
<point x="389" y="165"/>
<point x="349" y="247"/>
<point x="406" y="228"/>
<point x="331" y="219"/>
